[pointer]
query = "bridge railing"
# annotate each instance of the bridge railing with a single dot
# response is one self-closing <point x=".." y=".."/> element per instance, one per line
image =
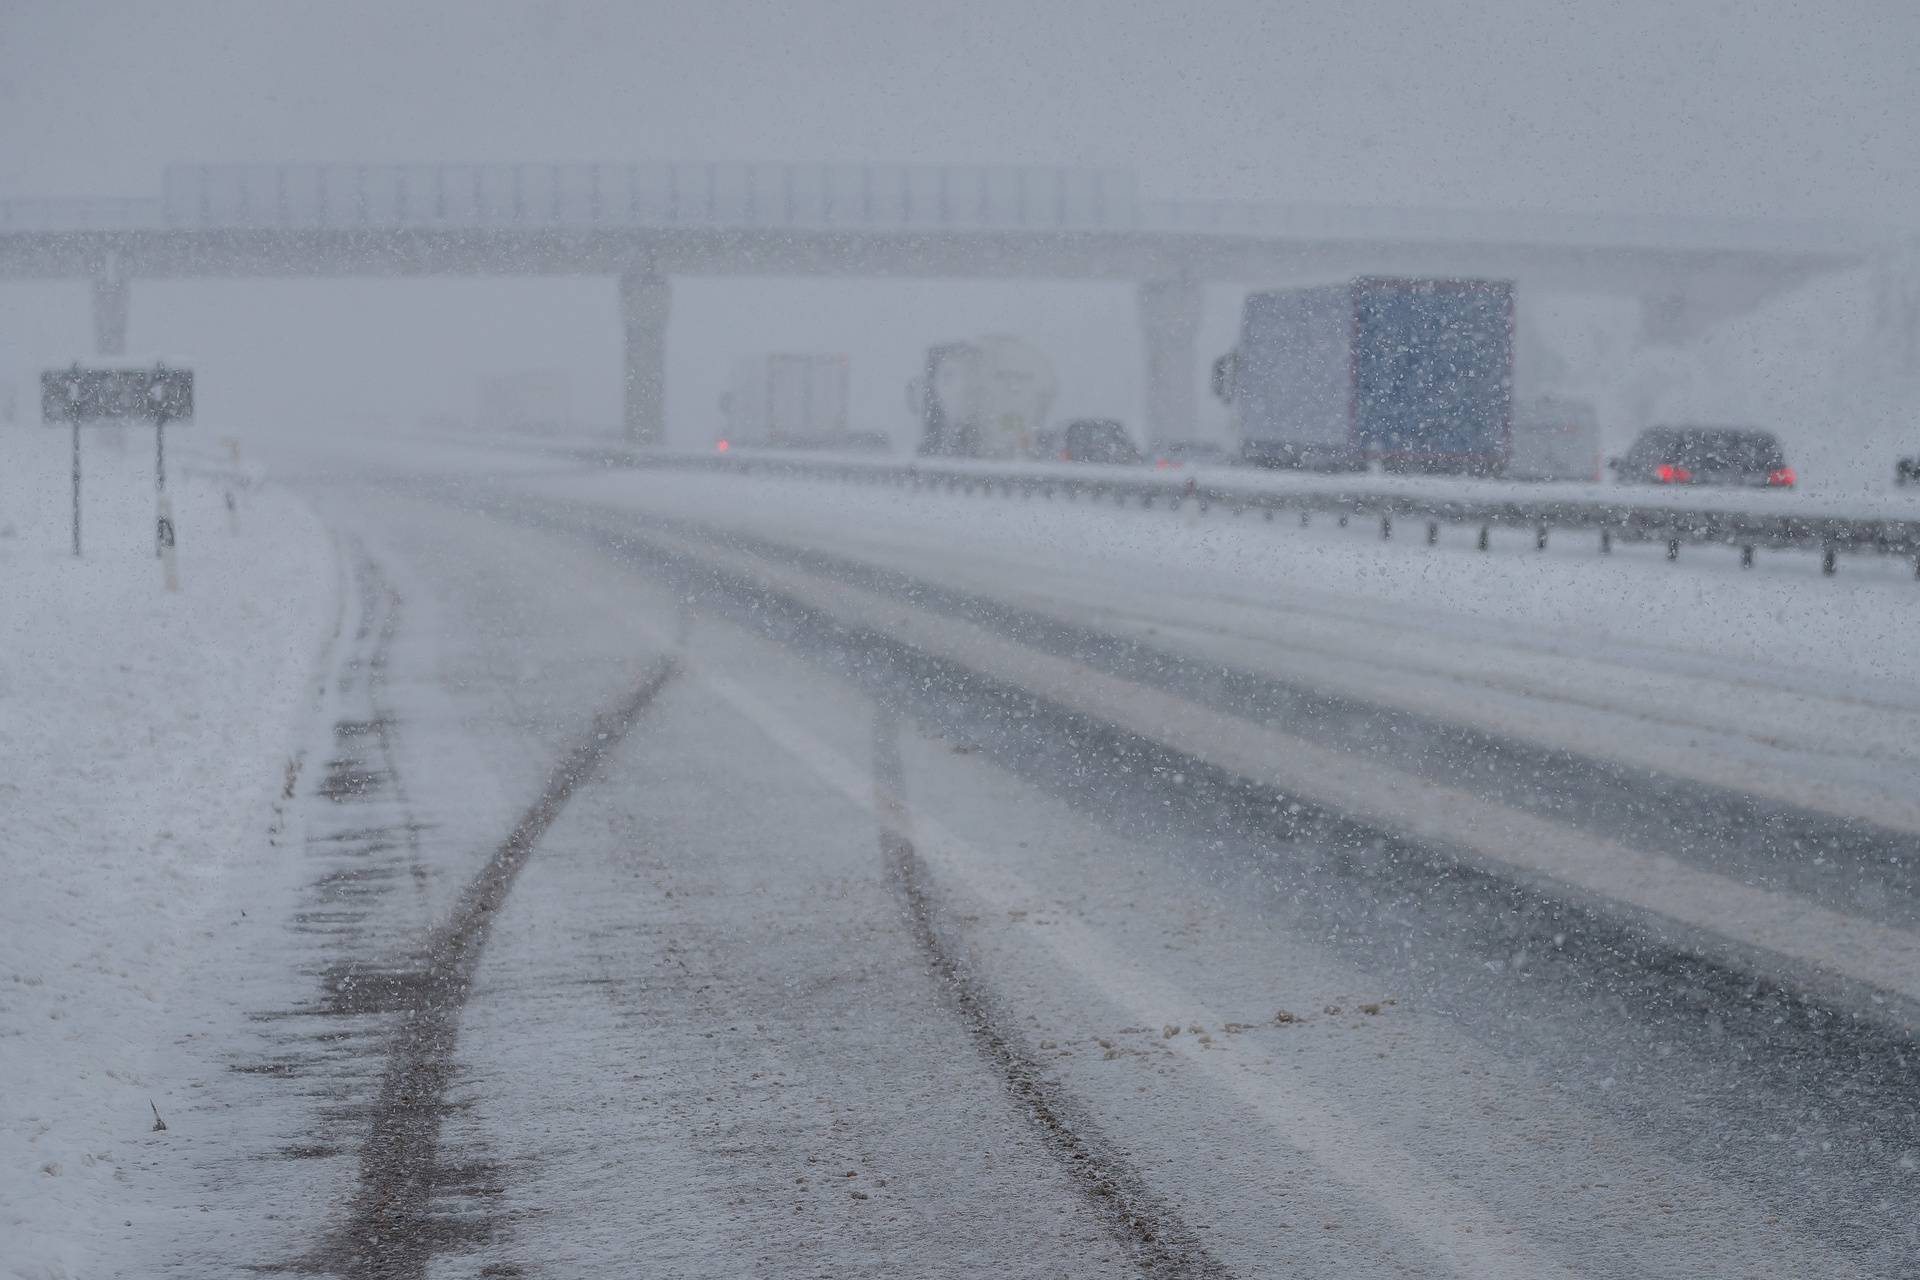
<point x="563" y="196"/>
<point x="80" y="214"/>
<point x="1637" y="231"/>
<point x="865" y="198"/>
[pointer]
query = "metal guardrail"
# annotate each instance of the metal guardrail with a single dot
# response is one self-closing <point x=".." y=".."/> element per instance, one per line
<point x="1675" y="524"/>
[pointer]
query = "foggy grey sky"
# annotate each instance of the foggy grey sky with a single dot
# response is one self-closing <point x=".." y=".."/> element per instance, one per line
<point x="1757" y="109"/>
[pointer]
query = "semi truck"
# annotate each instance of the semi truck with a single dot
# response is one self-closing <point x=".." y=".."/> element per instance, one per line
<point x="786" y="400"/>
<point x="987" y="398"/>
<point x="1412" y="374"/>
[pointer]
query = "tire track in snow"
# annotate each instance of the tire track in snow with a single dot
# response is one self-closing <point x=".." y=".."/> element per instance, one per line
<point x="1152" y="1231"/>
<point x="390" y="1232"/>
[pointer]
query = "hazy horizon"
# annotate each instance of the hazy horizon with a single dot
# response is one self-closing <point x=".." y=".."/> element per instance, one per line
<point x="1767" y="110"/>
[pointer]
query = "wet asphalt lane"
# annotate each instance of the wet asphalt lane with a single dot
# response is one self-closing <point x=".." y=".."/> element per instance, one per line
<point x="738" y="1015"/>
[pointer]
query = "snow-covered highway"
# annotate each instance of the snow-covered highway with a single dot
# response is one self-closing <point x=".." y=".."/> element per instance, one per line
<point x="709" y="875"/>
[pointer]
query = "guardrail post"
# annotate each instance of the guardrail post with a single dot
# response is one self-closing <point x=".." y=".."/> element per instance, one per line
<point x="1386" y="526"/>
<point x="1606" y="542"/>
<point x="1829" y="559"/>
<point x="1433" y="532"/>
<point x="1486" y="538"/>
<point x="1746" y="556"/>
<point x="1540" y="538"/>
<point x="1673" y="548"/>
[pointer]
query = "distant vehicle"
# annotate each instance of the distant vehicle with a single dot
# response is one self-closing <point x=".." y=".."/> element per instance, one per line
<point x="983" y="399"/>
<point x="1416" y="375"/>
<point x="1197" y="453"/>
<point x="1092" y="440"/>
<point x="536" y="401"/>
<point x="1554" y="438"/>
<point x="1907" y="470"/>
<point x="787" y="400"/>
<point x="1705" y="455"/>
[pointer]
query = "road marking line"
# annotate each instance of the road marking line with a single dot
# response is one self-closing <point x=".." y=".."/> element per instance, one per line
<point x="1451" y="1225"/>
<point x="1817" y="942"/>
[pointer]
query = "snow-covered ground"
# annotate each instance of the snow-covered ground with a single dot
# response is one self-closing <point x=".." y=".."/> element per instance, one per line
<point x="1783" y="613"/>
<point x="706" y="986"/>
<point x="145" y="738"/>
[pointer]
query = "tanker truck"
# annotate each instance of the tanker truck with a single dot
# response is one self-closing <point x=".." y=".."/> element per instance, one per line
<point x="983" y="399"/>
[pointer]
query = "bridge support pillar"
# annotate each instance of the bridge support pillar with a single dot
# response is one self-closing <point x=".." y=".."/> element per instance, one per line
<point x="112" y="300"/>
<point x="1169" y="321"/>
<point x="646" y="300"/>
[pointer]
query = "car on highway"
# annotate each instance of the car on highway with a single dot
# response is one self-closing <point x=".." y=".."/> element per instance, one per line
<point x="1093" y="440"/>
<point x="1191" y="453"/>
<point x="1741" y="456"/>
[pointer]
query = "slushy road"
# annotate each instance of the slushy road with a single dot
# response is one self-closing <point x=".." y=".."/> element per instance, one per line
<point x="701" y="885"/>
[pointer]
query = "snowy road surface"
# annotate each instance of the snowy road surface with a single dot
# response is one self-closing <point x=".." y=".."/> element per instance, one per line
<point x="704" y="876"/>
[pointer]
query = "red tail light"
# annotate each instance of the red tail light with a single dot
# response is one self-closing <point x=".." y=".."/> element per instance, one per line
<point x="722" y="447"/>
<point x="1784" y="477"/>
<point x="1667" y="473"/>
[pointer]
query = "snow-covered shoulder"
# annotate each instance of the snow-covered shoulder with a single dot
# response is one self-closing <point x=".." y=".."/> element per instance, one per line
<point x="144" y="736"/>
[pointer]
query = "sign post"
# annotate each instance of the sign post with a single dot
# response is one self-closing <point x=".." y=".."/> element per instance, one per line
<point x="163" y="524"/>
<point x="75" y="421"/>
<point x="158" y="394"/>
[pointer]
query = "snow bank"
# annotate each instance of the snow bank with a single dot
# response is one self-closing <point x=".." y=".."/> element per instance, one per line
<point x="143" y="740"/>
<point x="1859" y="630"/>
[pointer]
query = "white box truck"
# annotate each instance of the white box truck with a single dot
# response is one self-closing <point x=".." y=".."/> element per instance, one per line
<point x="786" y="399"/>
<point x="536" y="401"/>
<point x="983" y="399"/>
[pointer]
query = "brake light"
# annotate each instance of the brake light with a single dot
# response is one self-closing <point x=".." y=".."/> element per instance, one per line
<point x="722" y="447"/>
<point x="1667" y="473"/>
<point x="1783" y="477"/>
<point x="1163" y="463"/>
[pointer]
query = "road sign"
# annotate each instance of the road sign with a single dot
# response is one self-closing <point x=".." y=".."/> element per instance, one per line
<point x="116" y="394"/>
<point x="156" y="393"/>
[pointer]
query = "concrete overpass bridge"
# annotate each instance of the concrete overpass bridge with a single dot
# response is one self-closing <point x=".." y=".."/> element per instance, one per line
<point x="645" y="224"/>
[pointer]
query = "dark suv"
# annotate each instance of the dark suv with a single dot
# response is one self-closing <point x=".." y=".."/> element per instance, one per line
<point x="1705" y="455"/>
<point x="1095" y="440"/>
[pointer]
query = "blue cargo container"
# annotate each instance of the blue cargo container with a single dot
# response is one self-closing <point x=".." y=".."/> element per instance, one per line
<point x="1416" y="375"/>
